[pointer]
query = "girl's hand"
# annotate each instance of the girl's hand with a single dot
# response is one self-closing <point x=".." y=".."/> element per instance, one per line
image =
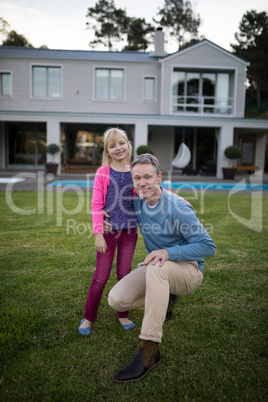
<point x="107" y="226"/>
<point x="100" y="243"/>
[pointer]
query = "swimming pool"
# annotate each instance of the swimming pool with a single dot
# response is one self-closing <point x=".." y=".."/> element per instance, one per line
<point x="176" y="185"/>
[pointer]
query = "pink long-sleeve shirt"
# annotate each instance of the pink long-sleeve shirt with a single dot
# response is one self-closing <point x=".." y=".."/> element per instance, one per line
<point x="100" y="187"/>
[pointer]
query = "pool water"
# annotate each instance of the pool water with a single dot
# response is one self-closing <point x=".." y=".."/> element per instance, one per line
<point x="176" y="185"/>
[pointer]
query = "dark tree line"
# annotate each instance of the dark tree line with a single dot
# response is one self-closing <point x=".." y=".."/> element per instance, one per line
<point x="15" y="39"/>
<point x="252" y="45"/>
<point x="112" y="25"/>
<point x="12" y="37"/>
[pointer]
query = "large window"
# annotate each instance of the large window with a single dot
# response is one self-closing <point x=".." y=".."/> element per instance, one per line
<point x="149" y="89"/>
<point x="46" y="82"/>
<point x="26" y="143"/>
<point x="202" y="92"/>
<point x="6" y="85"/>
<point x="84" y="142"/>
<point x="109" y="84"/>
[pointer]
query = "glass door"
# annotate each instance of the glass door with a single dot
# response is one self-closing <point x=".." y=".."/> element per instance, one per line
<point x="26" y="144"/>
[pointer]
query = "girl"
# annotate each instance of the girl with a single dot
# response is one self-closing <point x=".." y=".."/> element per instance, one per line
<point x="112" y="192"/>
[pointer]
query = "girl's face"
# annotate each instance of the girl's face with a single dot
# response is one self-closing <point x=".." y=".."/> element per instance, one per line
<point x="118" y="149"/>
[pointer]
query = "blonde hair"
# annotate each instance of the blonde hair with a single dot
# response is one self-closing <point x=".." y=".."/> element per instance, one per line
<point x="110" y="135"/>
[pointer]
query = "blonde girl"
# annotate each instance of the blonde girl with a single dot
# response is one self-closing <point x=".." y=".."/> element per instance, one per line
<point x="112" y="192"/>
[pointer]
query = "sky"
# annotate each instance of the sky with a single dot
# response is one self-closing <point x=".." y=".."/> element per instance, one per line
<point x="61" y="24"/>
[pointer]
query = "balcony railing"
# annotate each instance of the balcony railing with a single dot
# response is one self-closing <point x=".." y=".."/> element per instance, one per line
<point x="202" y="105"/>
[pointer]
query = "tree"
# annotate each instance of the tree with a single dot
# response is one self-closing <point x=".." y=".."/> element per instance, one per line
<point x="252" y="25"/>
<point x="178" y="17"/>
<point x="111" y="24"/>
<point x="252" y="44"/>
<point x="4" y="26"/>
<point x="15" y="39"/>
<point x="139" y="34"/>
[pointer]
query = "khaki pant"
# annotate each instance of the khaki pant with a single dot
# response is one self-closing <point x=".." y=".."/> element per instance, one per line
<point x="148" y="287"/>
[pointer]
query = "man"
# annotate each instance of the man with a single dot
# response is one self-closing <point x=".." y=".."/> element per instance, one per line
<point x="176" y="243"/>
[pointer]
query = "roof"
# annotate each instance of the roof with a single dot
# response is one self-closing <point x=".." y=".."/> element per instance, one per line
<point x="200" y="43"/>
<point x="17" y="52"/>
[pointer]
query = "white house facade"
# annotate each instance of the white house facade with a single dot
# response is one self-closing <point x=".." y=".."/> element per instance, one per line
<point x="195" y="96"/>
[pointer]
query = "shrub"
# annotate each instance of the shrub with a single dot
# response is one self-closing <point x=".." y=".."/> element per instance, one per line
<point x="233" y="152"/>
<point x="53" y="149"/>
<point x="144" y="149"/>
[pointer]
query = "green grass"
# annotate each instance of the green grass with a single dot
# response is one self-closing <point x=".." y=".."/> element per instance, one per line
<point x="215" y="348"/>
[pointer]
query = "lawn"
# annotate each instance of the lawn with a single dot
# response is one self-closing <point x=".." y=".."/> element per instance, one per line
<point x="215" y="348"/>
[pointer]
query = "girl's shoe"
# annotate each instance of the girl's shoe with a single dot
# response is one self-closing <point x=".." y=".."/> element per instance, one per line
<point x="84" y="331"/>
<point x="128" y="327"/>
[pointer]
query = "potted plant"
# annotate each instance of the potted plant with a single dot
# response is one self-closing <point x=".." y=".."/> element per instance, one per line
<point x="52" y="167"/>
<point x="232" y="152"/>
<point x="144" y="149"/>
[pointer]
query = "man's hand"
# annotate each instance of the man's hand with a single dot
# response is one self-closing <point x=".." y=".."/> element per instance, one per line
<point x="107" y="226"/>
<point x="100" y="243"/>
<point x="157" y="256"/>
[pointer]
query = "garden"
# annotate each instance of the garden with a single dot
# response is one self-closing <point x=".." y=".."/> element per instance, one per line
<point x="214" y="348"/>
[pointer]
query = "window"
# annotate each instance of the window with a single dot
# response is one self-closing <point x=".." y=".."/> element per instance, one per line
<point x="193" y="91"/>
<point x="222" y="93"/>
<point x="201" y="92"/>
<point x="178" y="89"/>
<point x="26" y="143"/>
<point x="46" y="82"/>
<point x="6" y="87"/>
<point x="109" y="84"/>
<point x="149" y="89"/>
<point x="209" y="90"/>
<point x="83" y="141"/>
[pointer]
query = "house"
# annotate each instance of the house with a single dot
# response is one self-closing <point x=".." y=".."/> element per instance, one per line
<point x="195" y="96"/>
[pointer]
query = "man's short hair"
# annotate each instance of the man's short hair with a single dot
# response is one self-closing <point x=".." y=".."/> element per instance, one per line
<point x="147" y="159"/>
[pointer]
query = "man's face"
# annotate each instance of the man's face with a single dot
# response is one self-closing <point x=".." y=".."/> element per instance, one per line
<point x="146" y="182"/>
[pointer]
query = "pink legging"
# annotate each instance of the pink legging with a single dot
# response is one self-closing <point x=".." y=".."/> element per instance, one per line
<point x="125" y="240"/>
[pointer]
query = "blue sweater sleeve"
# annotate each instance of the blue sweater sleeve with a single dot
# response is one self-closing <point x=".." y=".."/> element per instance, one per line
<point x="198" y="243"/>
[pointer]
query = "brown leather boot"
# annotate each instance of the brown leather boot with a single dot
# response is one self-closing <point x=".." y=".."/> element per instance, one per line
<point x="173" y="299"/>
<point x="149" y="352"/>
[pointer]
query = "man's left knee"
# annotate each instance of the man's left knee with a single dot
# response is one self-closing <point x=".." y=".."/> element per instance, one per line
<point x="113" y="299"/>
<point x="156" y="270"/>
